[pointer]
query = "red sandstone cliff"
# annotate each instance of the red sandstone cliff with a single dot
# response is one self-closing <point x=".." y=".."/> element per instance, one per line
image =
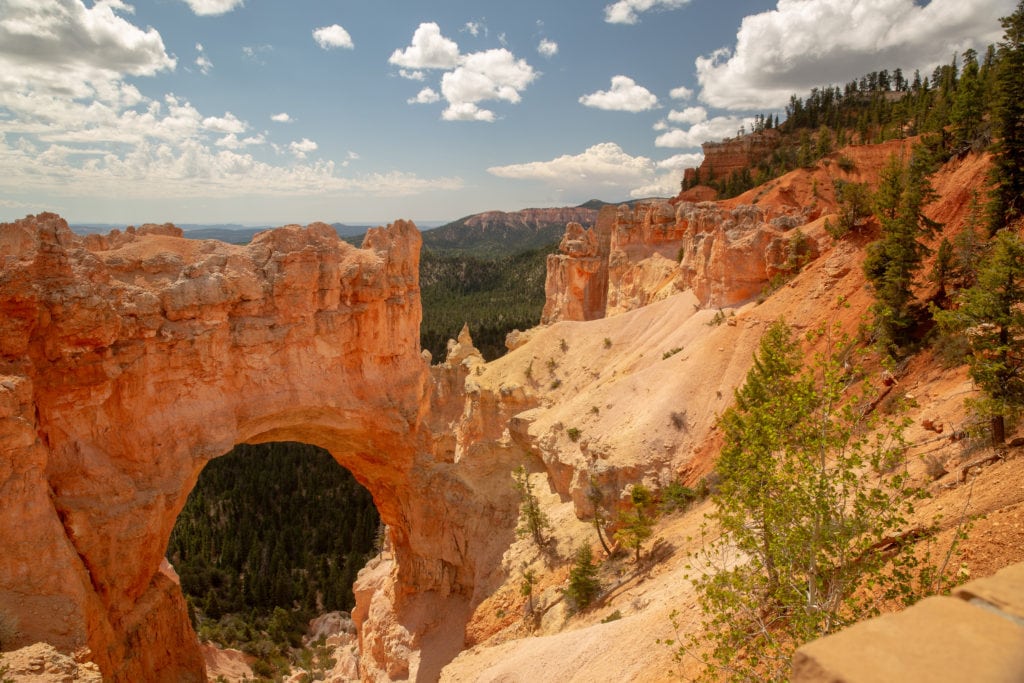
<point x="725" y="157"/>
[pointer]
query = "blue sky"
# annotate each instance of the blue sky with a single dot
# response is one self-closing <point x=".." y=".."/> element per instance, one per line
<point x="271" y="112"/>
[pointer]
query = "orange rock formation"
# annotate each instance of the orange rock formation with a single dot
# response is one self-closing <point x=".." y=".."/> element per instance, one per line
<point x="636" y="256"/>
<point x="128" y="361"/>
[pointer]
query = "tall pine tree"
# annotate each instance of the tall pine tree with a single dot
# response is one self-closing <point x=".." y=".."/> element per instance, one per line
<point x="990" y="313"/>
<point x="1007" y="204"/>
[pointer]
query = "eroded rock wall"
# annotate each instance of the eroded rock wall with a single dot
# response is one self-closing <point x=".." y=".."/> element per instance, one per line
<point x="725" y="254"/>
<point x="128" y="361"/>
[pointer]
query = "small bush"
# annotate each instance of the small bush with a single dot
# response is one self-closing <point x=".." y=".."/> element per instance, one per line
<point x="607" y="343"/>
<point x="573" y="433"/>
<point x="951" y="349"/>
<point x="846" y="164"/>
<point x="679" y="420"/>
<point x="720" y="317"/>
<point x="614" y="616"/>
<point x="671" y="352"/>
<point x="677" y="496"/>
<point x="556" y="383"/>
<point x="935" y="466"/>
<point x="564" y="345"/>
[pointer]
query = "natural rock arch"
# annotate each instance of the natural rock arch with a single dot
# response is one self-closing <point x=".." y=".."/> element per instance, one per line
<point x="128" y="361"/>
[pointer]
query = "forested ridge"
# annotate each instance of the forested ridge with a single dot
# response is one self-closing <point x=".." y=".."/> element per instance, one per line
<point x="494" y="295"/>
<point x="271" y="526"/>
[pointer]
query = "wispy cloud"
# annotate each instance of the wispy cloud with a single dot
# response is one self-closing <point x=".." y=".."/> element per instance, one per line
<point x="628" y="11"/>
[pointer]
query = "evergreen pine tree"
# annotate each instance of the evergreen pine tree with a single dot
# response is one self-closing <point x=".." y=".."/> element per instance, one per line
<point x="1007" y="200"/>
<point x="584" y="584"/>
<point x="968" y="107"/>
<point x="893" y="261"/>
<point x="990" y="313"/>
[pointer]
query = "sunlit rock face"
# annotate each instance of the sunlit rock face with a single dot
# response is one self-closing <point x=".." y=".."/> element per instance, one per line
<point x="128" y="361"/>
<point x="635" y="256"/>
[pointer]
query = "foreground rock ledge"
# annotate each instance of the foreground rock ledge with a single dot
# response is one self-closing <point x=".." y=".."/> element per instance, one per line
<point x="128" y="361"/>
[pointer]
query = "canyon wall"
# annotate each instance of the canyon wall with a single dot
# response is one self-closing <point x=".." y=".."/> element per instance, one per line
<point x="128" y="361"/>
<point x="732" y="155"/>
<point x="635" y="256"/>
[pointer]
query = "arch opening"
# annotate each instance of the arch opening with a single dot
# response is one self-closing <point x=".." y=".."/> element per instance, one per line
<point x="271" y="537"/>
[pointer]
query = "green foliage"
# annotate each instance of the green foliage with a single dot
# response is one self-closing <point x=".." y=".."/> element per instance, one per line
<point x="720" y="317"/>
<point x="671" y="352"/>
<point x="967" y="115"/>
<point x="846" y="164"/>
<point x="637" y="523"/>
<point x="614" y="616"/>
<point x="574" y="434"/>
<point x="493" y="295"/>
<point x="854" y="207"/>
<point x="990" y="314"/>
<point x="584" y="584"/>
<point x="677" y="497"/>
<point x="893" y="261"/>
<point x="526" y="584"/>
<point x="532" y="520"/>
<point x="1007" y="199"/>
<point x="801" y="500"/>
<point x="269" y="528"/>
<point x="607" y="343"/>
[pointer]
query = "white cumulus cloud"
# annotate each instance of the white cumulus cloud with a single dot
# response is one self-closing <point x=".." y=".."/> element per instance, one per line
<point x="690" y="115"/>
<point x="680" y="93"/>
<point x="283" y="117"/>
<point x="428" y="50"/>
<point x="805" y="43"/>
<point x="213" y="7"/>
<point x="228" y="123"/>
<point x="333" y="36"/>
<point x="628" y="11"/>
<point x="66" y="48"/>
<point x="681" y="162"/>
<point x="547" y="48"/>
<point x="624" y="95"/>
<point x="481" y="76"/>
<point x="604" y="167"/>
<point x="425" y="96"/>
<point x="303" y="147"/>
<point x="713" y="129"/>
